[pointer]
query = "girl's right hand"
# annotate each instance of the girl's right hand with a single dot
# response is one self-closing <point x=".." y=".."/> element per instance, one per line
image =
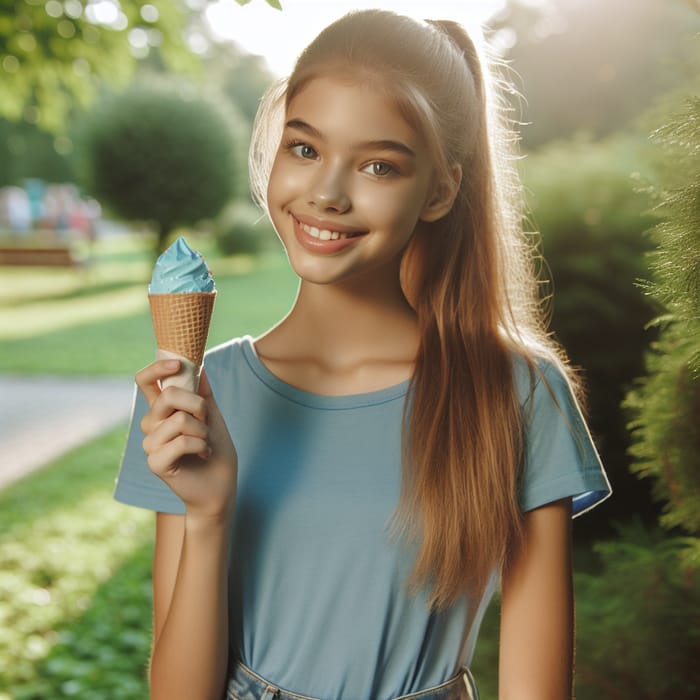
<point x="187" y="442"/>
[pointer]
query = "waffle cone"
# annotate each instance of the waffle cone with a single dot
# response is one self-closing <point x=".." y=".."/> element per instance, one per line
<point x="181" y="322"/>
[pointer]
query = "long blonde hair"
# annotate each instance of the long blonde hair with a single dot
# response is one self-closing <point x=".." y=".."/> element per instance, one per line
<point x="469" y="276"/>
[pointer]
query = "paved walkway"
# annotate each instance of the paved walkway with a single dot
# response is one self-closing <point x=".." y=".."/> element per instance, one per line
<point x="42" y="417"/>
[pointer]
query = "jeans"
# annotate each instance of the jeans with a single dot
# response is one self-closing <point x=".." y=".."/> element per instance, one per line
<point x="245" y="684"/>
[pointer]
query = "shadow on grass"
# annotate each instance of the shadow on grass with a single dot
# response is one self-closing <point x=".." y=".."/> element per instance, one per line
<point x="87" y="290"/>
<point x="102" y="654"/>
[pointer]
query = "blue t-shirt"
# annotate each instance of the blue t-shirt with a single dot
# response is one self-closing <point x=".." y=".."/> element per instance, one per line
<point x="318" y="599"/>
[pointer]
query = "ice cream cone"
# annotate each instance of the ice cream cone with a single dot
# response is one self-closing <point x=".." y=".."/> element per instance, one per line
<point x="181" y="324"/>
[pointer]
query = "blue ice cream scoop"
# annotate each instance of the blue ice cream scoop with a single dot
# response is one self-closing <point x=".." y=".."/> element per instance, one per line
<point x="181" y="270"/>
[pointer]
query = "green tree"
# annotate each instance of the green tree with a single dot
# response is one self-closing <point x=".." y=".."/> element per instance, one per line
<point x="640" y="631"/>
<point x="27" y="151"/>
<point x="55" y="54"/>
<point x="666" y="405"/>
<point x="154" y="154"/>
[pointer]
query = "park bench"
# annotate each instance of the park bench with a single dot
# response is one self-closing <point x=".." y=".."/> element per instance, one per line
<point x="53" y="256"/>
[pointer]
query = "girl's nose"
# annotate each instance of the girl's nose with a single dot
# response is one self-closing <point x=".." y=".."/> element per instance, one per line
<point x="329" y="193"/>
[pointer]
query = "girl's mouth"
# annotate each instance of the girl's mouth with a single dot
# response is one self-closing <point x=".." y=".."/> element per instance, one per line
<point x="325" y="240"/>
<point x="328" y="235"/>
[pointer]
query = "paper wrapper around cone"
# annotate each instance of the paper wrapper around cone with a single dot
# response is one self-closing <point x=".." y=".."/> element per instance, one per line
<point x="181" y="324"/>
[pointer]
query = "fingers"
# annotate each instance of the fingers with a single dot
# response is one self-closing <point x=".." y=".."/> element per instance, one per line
<point x="172" y="399"/>
<point x="178" y="436"/>
<point x="165" y="402"/>
<point x="147" y="379"/>
<point x="179" y="423"/>
<point x="167" y="458"/>
<point x="176" y="424"/>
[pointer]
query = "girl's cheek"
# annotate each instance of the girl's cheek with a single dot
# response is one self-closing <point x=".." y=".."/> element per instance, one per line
<point x="285" y="181"/>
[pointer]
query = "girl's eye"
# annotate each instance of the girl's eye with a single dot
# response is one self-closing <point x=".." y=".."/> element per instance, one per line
<point x="302" y="150"/>
<point x="379" y="169"/>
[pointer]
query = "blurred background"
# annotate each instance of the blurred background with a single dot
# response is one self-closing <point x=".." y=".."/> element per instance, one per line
<point x="124" y="123"/>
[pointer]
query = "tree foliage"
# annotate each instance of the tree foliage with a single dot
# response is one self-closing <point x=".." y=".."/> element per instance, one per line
<point x="666" y="404"/>
<point x="154" y="154"/>
<point x="54" y="55"/>
<point x="28" y="152"/>
<point x="641" y="614"/>
<point x="638" y="623"/>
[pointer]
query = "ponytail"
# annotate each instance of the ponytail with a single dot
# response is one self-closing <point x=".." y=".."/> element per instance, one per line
<point x="463" y="433"/>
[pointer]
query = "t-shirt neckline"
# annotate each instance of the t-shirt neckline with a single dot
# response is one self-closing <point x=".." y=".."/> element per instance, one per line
<point x="306" y="398"/>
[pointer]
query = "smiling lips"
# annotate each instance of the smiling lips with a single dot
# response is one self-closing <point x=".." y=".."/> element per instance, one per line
<point x="324" y="239"/>
<point x="326" y="235"/>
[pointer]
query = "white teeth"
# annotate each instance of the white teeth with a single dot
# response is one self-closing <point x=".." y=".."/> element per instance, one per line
<point x="325" y="234"/>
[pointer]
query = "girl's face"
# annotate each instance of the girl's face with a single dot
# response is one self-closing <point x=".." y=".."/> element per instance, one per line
<point x="349" y="183"/>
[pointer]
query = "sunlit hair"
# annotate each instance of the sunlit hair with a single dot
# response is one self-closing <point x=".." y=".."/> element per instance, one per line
<point x="469" y="276"/>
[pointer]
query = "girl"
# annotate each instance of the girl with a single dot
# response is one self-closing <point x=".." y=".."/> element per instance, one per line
<point x="336" y="504"/>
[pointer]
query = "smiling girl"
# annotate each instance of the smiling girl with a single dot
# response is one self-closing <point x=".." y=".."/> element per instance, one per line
<point x="338" y="503"/>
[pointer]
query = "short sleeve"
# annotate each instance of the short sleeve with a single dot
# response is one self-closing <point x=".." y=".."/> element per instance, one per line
<point x="136" y="484"/>
<point x="560" y="459"/>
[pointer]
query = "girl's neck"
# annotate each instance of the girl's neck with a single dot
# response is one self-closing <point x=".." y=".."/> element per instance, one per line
<point x="352" y="322"/>
<point x="343" y="339"/>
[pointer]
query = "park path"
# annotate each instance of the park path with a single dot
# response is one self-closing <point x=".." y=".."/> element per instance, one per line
<point x="42" y="417"/>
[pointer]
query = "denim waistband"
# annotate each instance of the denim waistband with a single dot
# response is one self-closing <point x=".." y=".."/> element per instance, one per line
<point x="245" y="684"/>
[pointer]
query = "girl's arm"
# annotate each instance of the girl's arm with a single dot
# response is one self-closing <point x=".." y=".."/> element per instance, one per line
<point x="188" y="446"/>
<point x="537" y="619"/>
<point x="190" y="649"/>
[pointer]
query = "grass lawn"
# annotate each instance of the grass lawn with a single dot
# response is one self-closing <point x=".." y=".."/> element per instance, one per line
<point x="74" y="582"/>
<point x="97" y="320"/>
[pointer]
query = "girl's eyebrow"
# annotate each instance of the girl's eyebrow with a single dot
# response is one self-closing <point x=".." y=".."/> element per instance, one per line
<point x="379" y="145"/>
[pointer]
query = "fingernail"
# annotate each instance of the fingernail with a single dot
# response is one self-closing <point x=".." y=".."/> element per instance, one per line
<point x="172" y="364"/>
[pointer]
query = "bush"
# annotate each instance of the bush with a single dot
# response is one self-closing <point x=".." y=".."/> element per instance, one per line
<point x="242" y="228"/>
<point x="639" y="621"/>
<point x="666" y="404"/>
<point x="154" y="154"/>
<point x="666" y="429"/>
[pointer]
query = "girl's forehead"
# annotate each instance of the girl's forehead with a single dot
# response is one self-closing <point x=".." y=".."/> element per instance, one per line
<point x="358" y="98"/>
<point x="345" y="74"/>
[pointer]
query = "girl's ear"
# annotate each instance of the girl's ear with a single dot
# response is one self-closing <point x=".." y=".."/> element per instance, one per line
<point x="443" y="196"/>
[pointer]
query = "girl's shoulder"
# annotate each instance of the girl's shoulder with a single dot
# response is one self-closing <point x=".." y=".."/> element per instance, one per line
<point x="559" y="456"/>
<point x="535" y="372"/>
<point x="228" y="351"/>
